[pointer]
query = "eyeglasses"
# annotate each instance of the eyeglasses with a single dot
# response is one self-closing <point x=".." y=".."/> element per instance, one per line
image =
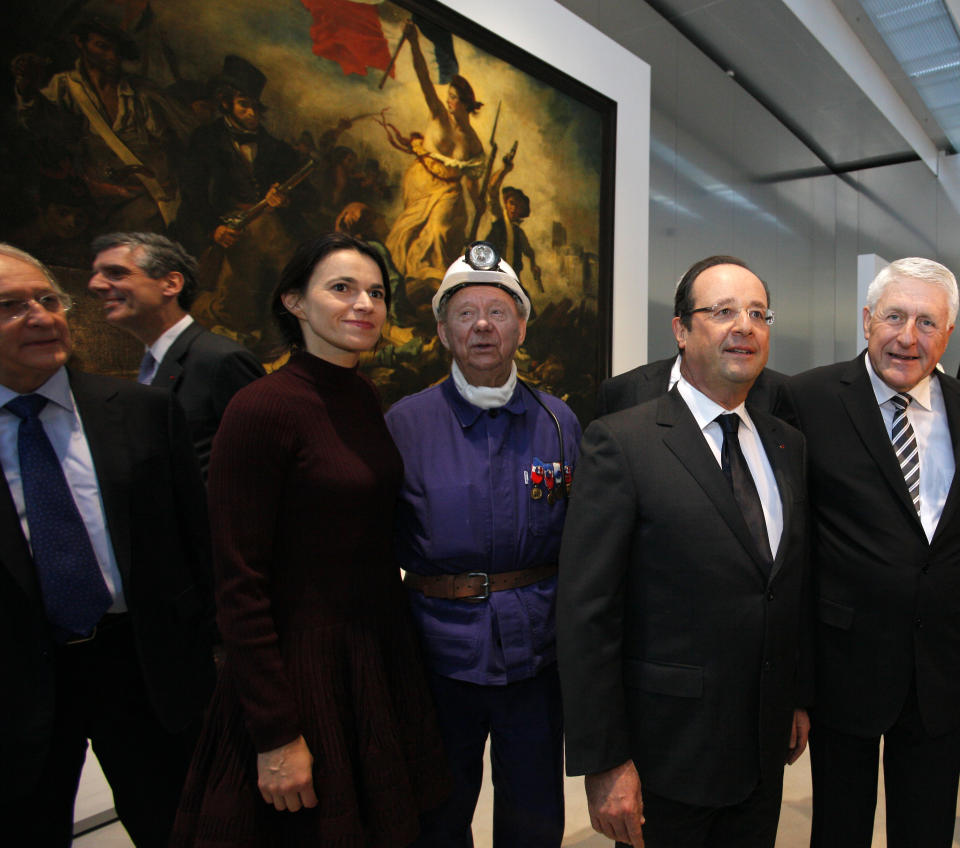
<point x="54" y="302"/>
<point x="725" y="314"/>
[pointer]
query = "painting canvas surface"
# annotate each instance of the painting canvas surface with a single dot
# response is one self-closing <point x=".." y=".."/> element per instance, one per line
<point x="352" y="146"/>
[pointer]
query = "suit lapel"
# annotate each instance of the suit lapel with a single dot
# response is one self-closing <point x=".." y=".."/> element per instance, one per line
<point x="658" y="375"/>
<point x="861" y="405"/>
<point x="15" y="554"/>
<point x="771" y="435"/>
<point x="171" y="366"/>
<point x="102" y="420"/>
<point x="686" y="441"/>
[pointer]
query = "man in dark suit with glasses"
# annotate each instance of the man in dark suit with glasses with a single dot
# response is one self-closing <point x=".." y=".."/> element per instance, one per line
<point x="645" y="382"/>
<point x="106" y="612"/>
<point x="682" y="578"/>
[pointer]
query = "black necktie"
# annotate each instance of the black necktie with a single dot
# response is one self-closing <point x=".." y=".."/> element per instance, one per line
<point x="74" y="592"/>
<point x="734" y="466"/>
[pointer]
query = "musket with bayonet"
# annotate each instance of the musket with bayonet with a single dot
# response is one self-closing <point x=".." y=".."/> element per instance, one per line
<point x="481" y="203"/>
<point x="239" y="220"/>
<point x="211" y="259"/>
<point x="242" y="219"/>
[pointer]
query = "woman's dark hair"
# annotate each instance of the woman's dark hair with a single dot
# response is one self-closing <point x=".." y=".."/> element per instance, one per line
<point x="465" y="93"/>
<point x="296" y="275"/>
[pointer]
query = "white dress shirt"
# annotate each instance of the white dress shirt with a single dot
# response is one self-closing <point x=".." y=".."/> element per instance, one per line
<point x="928" y="417"/>
<point x="64" y="429"/>
<point x="705" y="412"/>
<point x="674" y="373"/>
<point x="159" y="348"/>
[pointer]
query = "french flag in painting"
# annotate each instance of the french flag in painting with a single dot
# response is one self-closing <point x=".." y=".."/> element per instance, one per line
<point x="348" y="33"/>
<point x="353" y="34"/>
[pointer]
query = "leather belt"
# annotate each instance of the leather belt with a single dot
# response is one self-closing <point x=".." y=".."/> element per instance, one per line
<point x="476" y="585"/>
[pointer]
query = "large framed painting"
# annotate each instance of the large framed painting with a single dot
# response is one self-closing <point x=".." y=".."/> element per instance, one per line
<point x="117" y="110"/>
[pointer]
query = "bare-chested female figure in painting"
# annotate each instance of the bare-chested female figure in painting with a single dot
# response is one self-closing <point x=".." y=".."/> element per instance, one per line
<point x="430" y="232"/>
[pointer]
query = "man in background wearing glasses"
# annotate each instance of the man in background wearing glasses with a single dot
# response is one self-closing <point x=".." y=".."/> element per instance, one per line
<point x="882" y="434"/>
<point x="682" y="577"/>
<point x="105" y="596"/>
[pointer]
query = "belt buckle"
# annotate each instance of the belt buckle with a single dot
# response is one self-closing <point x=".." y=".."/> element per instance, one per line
<point x="486" y="587"/>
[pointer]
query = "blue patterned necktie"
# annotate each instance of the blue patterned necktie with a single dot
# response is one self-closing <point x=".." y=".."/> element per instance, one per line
<point x="148" y="369"/>
<point x="74" y="592"/>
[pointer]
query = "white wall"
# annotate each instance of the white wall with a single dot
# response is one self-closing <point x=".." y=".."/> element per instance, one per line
<point x="868" y="266"/>
<point x="727" y="177"/>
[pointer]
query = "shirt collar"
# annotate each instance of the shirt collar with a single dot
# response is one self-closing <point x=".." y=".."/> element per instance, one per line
<point x="160" y="347"/>
<point x="467" y="414"/>
<point x="124" y="87"/>
<point x="674" y="372"/>
<point x="56" y="390"/>
<point x="705" y="410"/>
<point x="920" y="392"/>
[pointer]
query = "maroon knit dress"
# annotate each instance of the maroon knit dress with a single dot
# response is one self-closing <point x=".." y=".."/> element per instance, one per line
<point x="303" y="479"/>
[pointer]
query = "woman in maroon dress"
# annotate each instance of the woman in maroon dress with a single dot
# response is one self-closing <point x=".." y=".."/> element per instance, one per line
<point x="321" y="731"/>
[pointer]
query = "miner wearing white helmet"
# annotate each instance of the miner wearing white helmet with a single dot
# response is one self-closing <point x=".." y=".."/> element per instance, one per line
<point x="488" y="464"/>
<point x="481" y="266"/>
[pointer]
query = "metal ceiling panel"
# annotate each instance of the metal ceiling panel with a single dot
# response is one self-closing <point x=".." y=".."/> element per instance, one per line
<point x="775" y="59"/>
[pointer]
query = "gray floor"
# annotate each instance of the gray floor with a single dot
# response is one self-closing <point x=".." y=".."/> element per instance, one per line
<point x="794" y="820"/>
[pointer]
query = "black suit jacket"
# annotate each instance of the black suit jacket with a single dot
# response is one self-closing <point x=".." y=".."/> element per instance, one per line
<point x="155" y="508"/>
<point x="887" y="600"/>
<point x="649" y="381"/>
<point x="204" y="370"/>
<point x="675" y="650"/>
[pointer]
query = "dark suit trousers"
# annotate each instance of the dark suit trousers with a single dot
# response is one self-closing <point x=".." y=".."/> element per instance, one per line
<point x="525" y="725"/>
<point x="750" y="824"/>
<point x="100" y="696"/>
<point x="920" y="776"/>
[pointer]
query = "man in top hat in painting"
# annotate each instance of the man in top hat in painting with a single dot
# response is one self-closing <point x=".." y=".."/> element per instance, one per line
<point x="233" y="163"/>
<point x="121" y="130"/>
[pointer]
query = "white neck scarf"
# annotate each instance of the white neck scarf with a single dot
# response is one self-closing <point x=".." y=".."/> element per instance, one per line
<point x="484" y="396"/>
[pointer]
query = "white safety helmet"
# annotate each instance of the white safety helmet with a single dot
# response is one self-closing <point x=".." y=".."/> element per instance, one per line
<point x="481" y="265"/>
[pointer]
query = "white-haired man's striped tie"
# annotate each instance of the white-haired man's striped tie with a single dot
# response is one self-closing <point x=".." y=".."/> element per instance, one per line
<point x="905" y="444"/>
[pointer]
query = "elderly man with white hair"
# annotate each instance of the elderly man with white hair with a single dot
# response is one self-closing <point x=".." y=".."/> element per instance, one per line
<point x="488" y="462"/>
<point x="882" y="434"/>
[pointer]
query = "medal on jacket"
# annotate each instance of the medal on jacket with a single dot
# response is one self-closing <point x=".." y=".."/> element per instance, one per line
<point x="549" y="482"/>
<point x="567" y="478"/>
<point x="561" y="490"/>
<point x="536" y="479"/>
